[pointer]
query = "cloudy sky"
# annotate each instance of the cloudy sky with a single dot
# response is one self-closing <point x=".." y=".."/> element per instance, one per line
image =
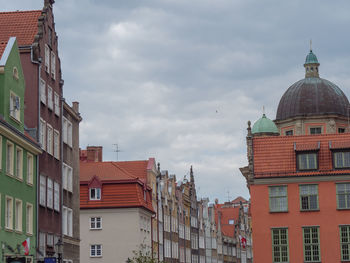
<point x="178" y="80"/>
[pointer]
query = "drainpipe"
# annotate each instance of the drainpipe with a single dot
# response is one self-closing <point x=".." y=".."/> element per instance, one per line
<point x="38" y="62"/>
<point x="61" y="161"/>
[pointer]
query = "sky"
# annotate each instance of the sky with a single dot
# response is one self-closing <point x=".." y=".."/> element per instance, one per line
<point x="178" y="80"/>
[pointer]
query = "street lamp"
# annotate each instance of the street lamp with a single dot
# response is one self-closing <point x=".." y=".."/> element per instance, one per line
<point x="59" y="249"/>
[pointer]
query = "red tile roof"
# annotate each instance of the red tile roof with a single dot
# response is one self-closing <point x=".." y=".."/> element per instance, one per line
<point x="227" y="213"/>
<point x="136" y="168"/>
<point x="20" y="24"/>
<point x="120" y="187"/>
<point x="276" y="156"/>
<point x="238" y="200"/>
<point x="2" y="47"/>
<point x="117" y="196"/>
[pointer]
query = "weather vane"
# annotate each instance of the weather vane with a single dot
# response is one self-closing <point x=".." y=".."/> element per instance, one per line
<point x="310" y="44"/>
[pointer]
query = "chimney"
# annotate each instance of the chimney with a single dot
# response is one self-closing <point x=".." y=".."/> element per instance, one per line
<point x="94" y="153"/>
<point x="75" y="106"/>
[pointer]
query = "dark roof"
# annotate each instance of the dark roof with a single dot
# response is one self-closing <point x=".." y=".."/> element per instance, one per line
<point x="311" y="97"/>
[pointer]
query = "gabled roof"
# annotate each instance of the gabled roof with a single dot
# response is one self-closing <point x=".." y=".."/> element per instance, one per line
<point x="21" y="24"/>
<point x="276" y="156"/>
<point x="2" y="48"/>
<point x="105" y="171"/>
<point x="238" y="200"/>
<point x="136" y="168"/>
<point x="227" y="213"/>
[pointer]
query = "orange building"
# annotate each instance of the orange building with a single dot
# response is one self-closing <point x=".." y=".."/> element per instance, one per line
<point x="298" y="174"/>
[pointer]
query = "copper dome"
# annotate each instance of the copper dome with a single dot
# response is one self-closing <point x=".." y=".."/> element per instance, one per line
<point x="310" y="97"/>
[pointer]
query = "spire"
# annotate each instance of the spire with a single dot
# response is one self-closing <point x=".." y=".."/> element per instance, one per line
<point x="191" y="174"/>
<point x="311" y="64"/>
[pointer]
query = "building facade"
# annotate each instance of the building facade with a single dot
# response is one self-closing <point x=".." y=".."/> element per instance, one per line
<point x="298" y="174"/>
<point x="18" y="163"/>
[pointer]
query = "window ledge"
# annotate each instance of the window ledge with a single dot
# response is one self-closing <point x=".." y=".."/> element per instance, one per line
<point x="310" y="210"/>
<point x="273" y="212"/>
<point x="15" y="119"/>
<point x="29" y="234"/>
<point x="8" y="229"/>
<point x="340" y="209"/>
<point x="30" y="184"/>
<point x="94" y="229"/>
<point x="18" y="231"/>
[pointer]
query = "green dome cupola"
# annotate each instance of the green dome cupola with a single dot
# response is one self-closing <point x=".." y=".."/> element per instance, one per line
<point x="311" y="65"/>
<point x="264" y="126"/>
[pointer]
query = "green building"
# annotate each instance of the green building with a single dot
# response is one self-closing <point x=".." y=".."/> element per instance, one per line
<point x="18" y="163"/>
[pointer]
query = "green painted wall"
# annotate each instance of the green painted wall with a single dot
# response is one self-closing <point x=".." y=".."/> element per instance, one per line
<point x="10" y="185"/>
<point x="8" y="83"/>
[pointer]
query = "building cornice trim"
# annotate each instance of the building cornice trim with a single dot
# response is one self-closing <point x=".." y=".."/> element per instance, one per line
<point x="301" y="179"/>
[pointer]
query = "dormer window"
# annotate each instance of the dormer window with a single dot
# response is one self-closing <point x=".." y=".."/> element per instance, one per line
<point x="315" y="130"/>
<point x="341" y="159"/>
<point x="95" y="193"/>
<point x="307" y="161"/>
<point x="289" y="133"/>
<point x="341" y="130"/>
<point x="307" y="155"/>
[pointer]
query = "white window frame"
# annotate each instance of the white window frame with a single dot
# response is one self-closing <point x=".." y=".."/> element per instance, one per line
<point x="15" y="110"/>
<point x="18" y="215"/>
<point x="57" y="103"/>
<point x="19" y="163"/>
<point x="97" y="194"/>
<point x="65" y="130"/>
<point x="29" y="218"/>
<point x="56" y="189"/>
<point x="53" y="65"/>
<point x="56" y="142"/>
<point x="43" y="91"/>
<point x="64" y="220"/>
<point x="42" y="243"/>
<point x="49" y="139"/>
<point x="42" y="200"/>
<point x="67" y="178"/>
<point x="47" y="58"/>
<point x="8" y="212"/>
<point x="9" y="157"/>
<point x="94" y="249"/>
<point x="42" y="135"/>
<point x="30" y="168"/>
<point x="67" y="221"/>
<point x="49" y="97"/>
<point x="96" y="223"/>
<point x="49" y="197"/>
<point x="70" y="133"/>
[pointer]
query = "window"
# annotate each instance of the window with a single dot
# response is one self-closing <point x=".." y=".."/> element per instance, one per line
<point x="49" y="139"/>
<point x="343" y="195"/>
<point x="315" y="130"/>
<point x="69" y="134"/>
<point x="49" y="199"/>
<point x="341" y="130"/>
<point x="15" y="106"/>
<point x="57" y="104"/>
<point x="9" y="158"/>
<point x="278" y="198"/>
<point x="47" y="59"/>
<point x="65" y="130"/>
<point x="67" y="178"/>
<point x="308" y="197"/>
<point x="345" y="242"/>
<point x="42" y="190"/>
<point x="9" y="212"/>
<point x="19" y="163"/>
<point x="42" y="136"/>
<point x="49" y="240"/>
<point x="311" y="244"/>
<point x="29" y="219"/>
<point x="42" y="244"/>
<point x="56" y="196"/>
<point x="30" y="168"/>
<point x="95" y="250"/>
<point x="43" y="91"/>
<point x="56" y="146"/>
<point x="67" y="221"/>
<point x="231" y="221"/>
<point x="18" y="215"/>
<point x="289" y="132"/>
<point x="307" y="161"/>
<point x="341" y="159"/>
<point x="53" y="65"/>
<point x="95" y="193"/>
<point x="49" y="98"/>
<point x="95" y="223"/>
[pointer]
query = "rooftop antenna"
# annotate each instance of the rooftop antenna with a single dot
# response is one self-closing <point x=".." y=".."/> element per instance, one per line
<point x="264" y="110"/>
<point x="310" y="44"/>
<point x="228" y="195"/>
<point x="116" y="150"/>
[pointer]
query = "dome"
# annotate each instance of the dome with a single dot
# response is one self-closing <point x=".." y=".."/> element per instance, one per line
<point x="311" y="58"/>
<point x="265" y="125"/>
<point x="312" y="96"/>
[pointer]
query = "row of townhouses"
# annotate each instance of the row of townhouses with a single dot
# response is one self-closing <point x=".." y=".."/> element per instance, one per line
<point x="134" y="206"/>
<point x="39" y="144"/>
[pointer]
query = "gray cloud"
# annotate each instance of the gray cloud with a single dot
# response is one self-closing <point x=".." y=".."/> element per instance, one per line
<point x="177" y="80"/>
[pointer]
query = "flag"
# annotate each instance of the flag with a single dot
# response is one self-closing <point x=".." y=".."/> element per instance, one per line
<point x="244" y="242"/>
<point x="26" y="245"/>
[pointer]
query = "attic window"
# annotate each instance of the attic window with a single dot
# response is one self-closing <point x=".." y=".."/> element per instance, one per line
<point x="307" y="161"/>
<point x="289" y="133"/>
<point x="95" y="193"/>
<point x="231" y="221"/>
<point x="315" y="130"/>
<point x="341" y="130"/>
<point x="15" y="73"/>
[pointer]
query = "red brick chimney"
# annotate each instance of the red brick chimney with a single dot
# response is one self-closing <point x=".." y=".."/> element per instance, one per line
<point x="91" y="154"/>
